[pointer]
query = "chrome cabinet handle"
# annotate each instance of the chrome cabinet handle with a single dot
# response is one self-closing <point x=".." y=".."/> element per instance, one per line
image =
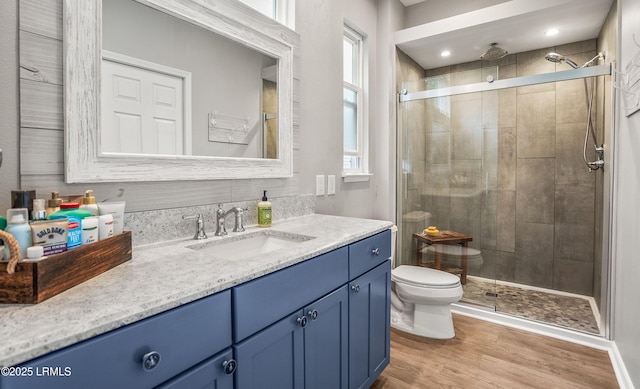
<point x="375" y="251"/>
<point x="313" y="314"/>
<point x="150" y="360"/>
<point x="302" y="321"/>
<point x="230" y="366"/>
<point x="355" y="288"/>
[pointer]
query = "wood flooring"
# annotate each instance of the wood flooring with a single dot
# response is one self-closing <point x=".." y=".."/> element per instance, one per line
<point x="488" y="355"/>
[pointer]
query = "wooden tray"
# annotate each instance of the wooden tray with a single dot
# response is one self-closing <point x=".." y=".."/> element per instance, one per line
<point x="34" y="282"/>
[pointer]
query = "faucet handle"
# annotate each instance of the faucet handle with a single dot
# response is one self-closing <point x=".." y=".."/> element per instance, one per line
<point x="200" y="234"/>
<point x="239" y="211"/>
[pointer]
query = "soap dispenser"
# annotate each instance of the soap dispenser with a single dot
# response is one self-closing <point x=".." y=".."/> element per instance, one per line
<point x="89" y="203"/>
<point x="264" y="212"/>
<point x="53" y="204"/>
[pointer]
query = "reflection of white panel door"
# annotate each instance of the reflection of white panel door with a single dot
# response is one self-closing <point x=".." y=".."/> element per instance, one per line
<point x="143" y="110"/>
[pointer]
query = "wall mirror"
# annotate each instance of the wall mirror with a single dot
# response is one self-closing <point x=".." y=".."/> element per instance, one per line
<point x="161" y="90"/>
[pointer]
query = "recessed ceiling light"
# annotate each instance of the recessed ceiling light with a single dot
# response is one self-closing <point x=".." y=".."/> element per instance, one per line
<point x="552" y="32"/>
<point x="445" y="53"/>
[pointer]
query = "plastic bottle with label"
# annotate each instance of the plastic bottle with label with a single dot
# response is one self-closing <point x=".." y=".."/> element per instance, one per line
<point x="264" y="211"/>
<point x="75" y="216"/>
<point x="19" y="227"/>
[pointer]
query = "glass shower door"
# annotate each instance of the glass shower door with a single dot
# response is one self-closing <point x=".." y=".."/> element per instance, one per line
<point x="447" y="178"/>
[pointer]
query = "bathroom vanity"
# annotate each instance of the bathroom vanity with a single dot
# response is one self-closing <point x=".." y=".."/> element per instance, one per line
<point x="312" y="315"/>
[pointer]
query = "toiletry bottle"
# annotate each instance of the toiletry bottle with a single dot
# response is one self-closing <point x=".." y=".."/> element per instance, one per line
<point x="75" y="215"/>
<point x="19" y="227"/>
<point x="39" y="211"/>
<point x="264" y="211"/>
<point x="89" y="203"/>
<point x="105" y="226"/>
<point x="53" y="204"/>
<point x="90" y="230"/>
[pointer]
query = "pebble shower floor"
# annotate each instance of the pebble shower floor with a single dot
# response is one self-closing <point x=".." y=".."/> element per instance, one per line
<point x="571" y="311"/>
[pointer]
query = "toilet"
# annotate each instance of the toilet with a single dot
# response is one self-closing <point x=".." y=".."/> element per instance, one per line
<point x="421" y="298"/>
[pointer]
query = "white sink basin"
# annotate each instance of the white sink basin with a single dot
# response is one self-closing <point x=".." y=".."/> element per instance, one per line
<point x="250" y="244"/>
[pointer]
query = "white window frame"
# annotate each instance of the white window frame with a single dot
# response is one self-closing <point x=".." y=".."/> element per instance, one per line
<point x="282" y="11"/>
<point x="360" y="87"/>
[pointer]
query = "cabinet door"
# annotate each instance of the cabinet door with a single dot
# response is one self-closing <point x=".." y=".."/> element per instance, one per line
<point x="325" y="341"/>
<point x="140" y="355"/>
<point x="216" y="372"/>
<point x="273" y="358"/>
<point x="369" y="304"/>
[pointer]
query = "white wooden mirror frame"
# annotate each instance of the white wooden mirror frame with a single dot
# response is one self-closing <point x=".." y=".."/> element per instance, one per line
<point x="84" y="161"/>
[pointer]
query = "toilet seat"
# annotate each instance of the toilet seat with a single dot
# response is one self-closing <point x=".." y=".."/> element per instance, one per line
<point x="424" y="277"/>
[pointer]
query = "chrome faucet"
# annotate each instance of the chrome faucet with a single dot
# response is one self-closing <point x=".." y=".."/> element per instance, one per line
<point x="221" y="215"/>
<point x="200" y="234"/>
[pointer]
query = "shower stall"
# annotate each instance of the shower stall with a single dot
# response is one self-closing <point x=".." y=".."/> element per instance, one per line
<point x="511" y="156"/>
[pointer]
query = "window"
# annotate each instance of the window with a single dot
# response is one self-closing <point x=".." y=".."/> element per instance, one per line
<point x="354" y="109"/>
<point x="281" y="11"/>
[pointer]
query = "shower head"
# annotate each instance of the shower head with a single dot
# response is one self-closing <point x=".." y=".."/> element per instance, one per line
<point x="494" y="53"/>
<point x="558" y="58"/>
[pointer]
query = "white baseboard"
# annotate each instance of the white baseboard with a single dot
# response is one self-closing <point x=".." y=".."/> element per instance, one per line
<point x="624" y="380"/>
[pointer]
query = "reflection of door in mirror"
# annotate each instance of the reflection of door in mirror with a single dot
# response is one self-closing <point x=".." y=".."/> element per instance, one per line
<point x="270" y="118"/>
<point x="144" y="107"/>
<point x="226" y="78"/>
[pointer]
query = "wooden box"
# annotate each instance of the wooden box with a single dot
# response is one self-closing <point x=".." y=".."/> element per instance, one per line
<point x="34" y="282"/>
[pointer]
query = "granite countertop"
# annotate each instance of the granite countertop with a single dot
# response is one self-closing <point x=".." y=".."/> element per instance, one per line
<point x="159" y="277"/>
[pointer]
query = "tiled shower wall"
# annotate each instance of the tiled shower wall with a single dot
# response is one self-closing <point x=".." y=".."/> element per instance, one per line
<point x="506" y="168"/>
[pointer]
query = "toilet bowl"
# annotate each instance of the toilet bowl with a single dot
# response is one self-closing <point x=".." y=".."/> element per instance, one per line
<point x="421" y="299"/>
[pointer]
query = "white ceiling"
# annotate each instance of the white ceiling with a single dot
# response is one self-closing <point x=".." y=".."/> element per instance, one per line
<point x="516" y="25"/>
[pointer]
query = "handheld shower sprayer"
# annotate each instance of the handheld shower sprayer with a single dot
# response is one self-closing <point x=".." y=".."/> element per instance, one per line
<point x="599" y="150"/>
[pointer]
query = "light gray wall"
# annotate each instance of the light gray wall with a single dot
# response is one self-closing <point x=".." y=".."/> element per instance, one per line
<point x="320" y="26"/>
<point x="626" y="228"/>
<point x="9" y="172"/>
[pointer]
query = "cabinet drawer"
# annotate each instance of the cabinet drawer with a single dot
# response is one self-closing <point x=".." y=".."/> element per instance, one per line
<point x="368" y="253"/>
<point x="258" y="303"/>
<point x="182" y="336"/>
<point x="208" y="374"/>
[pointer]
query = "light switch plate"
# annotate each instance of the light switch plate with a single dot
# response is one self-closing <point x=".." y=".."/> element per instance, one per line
<point x="320" y="185"/>
<point x="331" y="185"/>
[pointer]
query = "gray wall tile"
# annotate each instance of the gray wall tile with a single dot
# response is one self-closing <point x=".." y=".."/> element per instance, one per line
<point x="573" y="276"/>
<point x="535" y="190"/>
<point x="536" y="125"/>
<point x="534" y="254"/>
<point x="506" y="221"/>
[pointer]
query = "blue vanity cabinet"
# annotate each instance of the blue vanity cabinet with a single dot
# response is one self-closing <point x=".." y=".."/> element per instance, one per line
<point x="307" y="349"/>
<point x="273" y="358"/>
<point x="140" y="355"/>
<point x="281" y="317"/>
<point x="369" y="309"/>
<point x="340" y="340"/>
<point x="326" y="350"/>
<point x="216" y="372"/>
<point x="369" y="326"/>
<point x="262" y="301"/>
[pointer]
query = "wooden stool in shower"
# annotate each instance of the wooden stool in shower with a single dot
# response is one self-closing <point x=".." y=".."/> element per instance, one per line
<point x="444" y="237"/>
